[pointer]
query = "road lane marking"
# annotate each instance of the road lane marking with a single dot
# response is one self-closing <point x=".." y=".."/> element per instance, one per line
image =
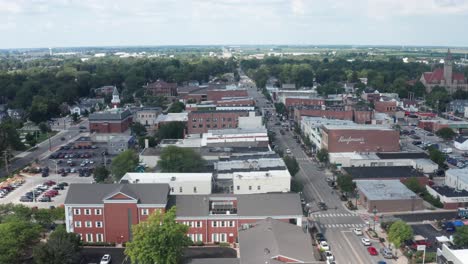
<point x="352" y="248"/>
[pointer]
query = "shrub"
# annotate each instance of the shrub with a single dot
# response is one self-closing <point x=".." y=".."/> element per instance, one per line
<point x="99" y="244"/>
<point x="224" y="244"/>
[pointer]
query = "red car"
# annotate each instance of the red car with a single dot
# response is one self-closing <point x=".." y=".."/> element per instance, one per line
<point x="372" y="251"/>
<point x="419" y="243"/>
<point x="55" y="192"/>
<point x="48" y="195"/>
<point x="49" y="183"/>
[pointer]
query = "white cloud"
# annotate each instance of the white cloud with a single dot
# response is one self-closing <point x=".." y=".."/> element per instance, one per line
<point x="388" y="8"/>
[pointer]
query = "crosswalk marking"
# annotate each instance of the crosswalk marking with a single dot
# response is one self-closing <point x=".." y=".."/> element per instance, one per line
<point x="334" y="215"/>
<point x="342" y="225"/>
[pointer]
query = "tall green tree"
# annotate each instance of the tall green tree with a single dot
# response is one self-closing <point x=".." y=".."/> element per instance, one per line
<point x="446" y="133"/>
<point x="437" y="156"/>
<point x="172" y="130"/>
<point x="101" y="173"/>
<point x="322" y="155"/>
<point x="292" y="165"/>
<point x="126" y="161"/>
<point x="346" y="183"/>
<point x="61" y="247"/>
<point x="176" y="107"/>
<point x="175" y="159"/>
<point x="159" y="239"/>
<point x="138" y="129"/>
<point x="280" y="108"/>
<point x="399" y="232"/>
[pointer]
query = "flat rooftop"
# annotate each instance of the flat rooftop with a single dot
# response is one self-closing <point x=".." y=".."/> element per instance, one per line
<point x="166" y="177"/>
<point x="450" y="192"/>
<point x="210" y="151"/>
<point x="382" y="172"/>
<point x="402" y="155"/>
<point x="460" y="174"/>
<point x="385" y="190"/>
<point x="357" y="127"/>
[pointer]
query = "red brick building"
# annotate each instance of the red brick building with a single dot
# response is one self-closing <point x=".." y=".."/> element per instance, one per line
<point x="217" y="95"/>
<point x="244" y="101"/>
<point x="290" y="102"/>
<point x="161" y="88"/>
<point x="358" y="116"/>
<point x="106" y="212"/>
<point x="360" y="138"/>
<point x="385" y="106"/>
<point x="208" y="93"/>
<point x="110" y="121"/>
<point x="202" y="121"/>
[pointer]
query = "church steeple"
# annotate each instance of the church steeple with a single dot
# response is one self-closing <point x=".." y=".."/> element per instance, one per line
<point x="448" y="62"/>
<point x="115" y="98"/>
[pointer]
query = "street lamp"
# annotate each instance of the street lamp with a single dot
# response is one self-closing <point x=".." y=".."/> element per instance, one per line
<point x="374" y="211"/>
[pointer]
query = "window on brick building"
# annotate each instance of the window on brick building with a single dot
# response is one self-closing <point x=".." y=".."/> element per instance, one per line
<point x="98" y="211"/>
<point x="199" y="223"/>
<point x="215" y="125"/>
<point x="89" y="237"/>
<point x="145" y="211"/>
<point x="222" y="237"/>
<point x="98" y="224"/>
<point x="194" y="120"/>
<point x="229" y="119"/>
<point x="88" y="224"/>
<point x="214" y="224"/>
<point x="76" y="211"/>
<point x="223" y="223"/>
<point x="78" y="224"/>
<point x="214" y="237"/>
<point x="232" y="224"/>
<point x="99" y="238"/>
<point x="200" y="125"/>
<point x="87" y="211"/>
<point x="199" y="237"/>
<point x="215" y="119"/>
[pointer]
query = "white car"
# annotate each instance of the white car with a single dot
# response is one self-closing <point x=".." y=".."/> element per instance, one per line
<point x="324" y="246"/>
<point x="288" y="151"/>
<point x="357" y="231"/>
<point x="365" y="241"/>
<point x="329" y="255"/>
<point x="106" y="259"/>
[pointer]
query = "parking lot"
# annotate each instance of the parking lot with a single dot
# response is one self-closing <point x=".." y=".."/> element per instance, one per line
<point x="31" y="182"/>
<point x="77" y="160"/>
<point x="428" y="232"/>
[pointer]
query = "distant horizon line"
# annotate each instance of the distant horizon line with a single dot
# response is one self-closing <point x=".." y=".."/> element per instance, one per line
<point x="236" y="45"/>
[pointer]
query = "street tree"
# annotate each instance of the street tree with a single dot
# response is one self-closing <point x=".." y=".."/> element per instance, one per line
<point x="159" y="239"/>
<point x="61" y="247"/>
<point x="176" y="107"/>
<point x="138" y="129"/>
<point x="460" y="238"/>
<point x="126" y="161"/>
<point x="437" y="156"/>
<point x="75" y="117"/>
<point x="399" y="232"/>
<point x="175" y="159"/>
<point x="322" y="155"/>
<point x="172" y="130"/>
<point x="413" y="185"/>
<point x="101" y="173"/>
<point x="292" y="165"/>
<point x="280" y="108"/>
<point x="446" y="133"/>
<point x="346" y="183"/>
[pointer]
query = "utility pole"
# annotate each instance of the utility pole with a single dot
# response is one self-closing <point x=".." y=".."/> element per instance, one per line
<point x="6" y="161"/>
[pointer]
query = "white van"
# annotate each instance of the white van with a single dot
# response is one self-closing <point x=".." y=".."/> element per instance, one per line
<point x="447" y="150"/>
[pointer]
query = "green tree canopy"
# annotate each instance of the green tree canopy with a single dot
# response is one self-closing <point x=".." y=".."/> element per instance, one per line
<point x="322" y="155"/>
<point x="171" y="130"/>
<point x="280" y="108"/>
<point x="437" y="156"/>
<point x="138" y="129"/>
<point x="446" y="133"/>
<point x="159" y="239"/>
<point x="399" y="232"/>
<point x="346" y="183"/>
<point x="413" y="185"/>
<point x="101" y="173"/>
<point x="17" y="238"/>
<point x="176" y="107"/>
<point x="460" y="238"/>
<point x="61" y="247"/>
<point x="126" y="161"/>
<point x="175" y="159"/>
<point x="292" y="165"/>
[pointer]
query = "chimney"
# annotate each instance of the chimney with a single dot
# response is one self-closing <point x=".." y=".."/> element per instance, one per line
<point x="146" y="143"/>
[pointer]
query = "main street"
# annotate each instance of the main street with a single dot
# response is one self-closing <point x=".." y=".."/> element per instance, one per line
<point x="43" y="148"/>
<point x="337" y="222"/>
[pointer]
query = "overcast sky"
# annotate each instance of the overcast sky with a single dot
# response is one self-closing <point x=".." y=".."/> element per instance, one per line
<point x="62" y="23"/>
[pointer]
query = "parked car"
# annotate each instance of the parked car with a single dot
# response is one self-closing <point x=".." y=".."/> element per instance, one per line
<point x="25" y="199"/>
<point x="419" y="243"/>
<point x="372" y="251"/>
<point x="365" y="241"/>
<point x="322" y="206"/>
<point x="45" y="199"/>
<point x="319" y="237"/>
<point x="324" y="246"/>
<point x="329" y="255"/>
<point x="106" y="259"/>
<point x="386" y="253"/>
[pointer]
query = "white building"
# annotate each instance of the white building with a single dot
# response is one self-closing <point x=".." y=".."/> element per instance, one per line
<point x="457" y="179"/>
<point x="311" y="127"/>
<point x="172" y="117"/>
<point x="281" y="95"/>
<point x="180" y="183"/>
<point x="251" y="122"/>
<point x="453" y="256"/>
<point x="147" y="116"/>
<point x="236" y="136"/>
<point x="249" y="182"/>
<point x="461" y="143"/>
<point x="419" y="161"/>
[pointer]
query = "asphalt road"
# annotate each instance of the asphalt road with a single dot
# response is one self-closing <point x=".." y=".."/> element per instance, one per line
<point x="43" y="148"/>
<point x="336" y="223"/>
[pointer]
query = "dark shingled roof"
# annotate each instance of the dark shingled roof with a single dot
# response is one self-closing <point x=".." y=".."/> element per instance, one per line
<point x="402" y="155"/>
<point x="461" y="139"/>
<point x="269" y="204"/>
<point x="382" y="172"/>
<point x="150" y="193"/>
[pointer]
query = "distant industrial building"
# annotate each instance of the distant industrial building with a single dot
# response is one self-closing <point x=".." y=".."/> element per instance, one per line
<point x="387" y="196"/>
